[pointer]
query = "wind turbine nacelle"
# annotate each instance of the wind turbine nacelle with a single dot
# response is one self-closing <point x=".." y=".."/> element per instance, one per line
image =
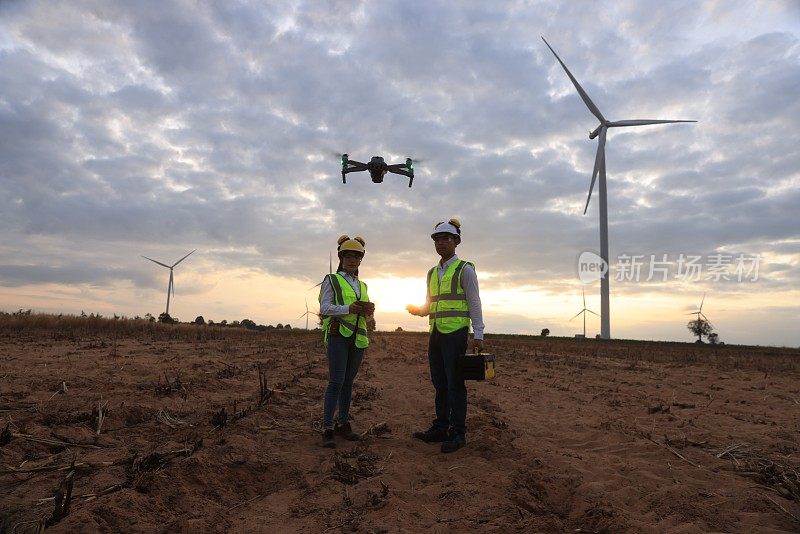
<point x="594" y="133"/>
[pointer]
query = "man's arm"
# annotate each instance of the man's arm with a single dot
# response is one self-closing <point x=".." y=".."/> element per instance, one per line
<point x="425" y="310"/>
<point x="469" y="281"/>
<point x="419" y="311"/>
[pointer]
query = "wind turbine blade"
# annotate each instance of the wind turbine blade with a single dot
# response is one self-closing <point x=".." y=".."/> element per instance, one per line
<point x="577" y="314"/>
<point x="154" y="261"/>
<point x="598" y="162"/>
<point x="590" y="311"/>
<point x="583" y="291"/>
<point x="301" y="316"/>
<point x="701" y="303"/>
<point x="330" y="264"/>
<point x="643" y="122"/>
<point x="584" y="96"/>
<point x="183" y="258"/>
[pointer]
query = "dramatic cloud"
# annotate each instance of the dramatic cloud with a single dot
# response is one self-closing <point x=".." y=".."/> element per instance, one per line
<point x="155" y="128"/>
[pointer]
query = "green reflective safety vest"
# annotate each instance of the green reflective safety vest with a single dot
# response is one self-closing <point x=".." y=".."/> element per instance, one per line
<point x="343" y="294"/>
<point x="449" y="310"/>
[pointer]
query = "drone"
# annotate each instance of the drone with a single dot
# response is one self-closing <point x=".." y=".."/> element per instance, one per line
<point x="377" y="168"/>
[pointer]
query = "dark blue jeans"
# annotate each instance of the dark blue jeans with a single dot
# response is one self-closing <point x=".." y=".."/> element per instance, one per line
<point x="448" y="380"/>
<point x="344" y="359"/>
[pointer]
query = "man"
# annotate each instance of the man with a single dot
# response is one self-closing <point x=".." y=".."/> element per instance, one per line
<point x="453" y="301"/>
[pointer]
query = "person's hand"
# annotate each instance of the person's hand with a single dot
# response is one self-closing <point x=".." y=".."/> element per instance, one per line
<point x="357" y="308"/>
<point x="371" y="324"/>
<point x="477" y="345"/>
<point x="414" y="310"/>
<point x="369" y="307"/>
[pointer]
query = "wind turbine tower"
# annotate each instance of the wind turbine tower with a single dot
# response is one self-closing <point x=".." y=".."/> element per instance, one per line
<point x="600" y="168"/>
<point x="330" y="271"/>
<point x="171" y="285"/>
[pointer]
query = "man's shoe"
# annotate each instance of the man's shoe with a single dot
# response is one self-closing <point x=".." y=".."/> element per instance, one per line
<point x="453" y="443"/>
<point x="432" y="435"/>
<point x="346" y="431"/>
<point x="327" y="439"/>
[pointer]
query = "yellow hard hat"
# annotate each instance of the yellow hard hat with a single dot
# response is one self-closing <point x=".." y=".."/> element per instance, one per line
<point x="356" y="244"/>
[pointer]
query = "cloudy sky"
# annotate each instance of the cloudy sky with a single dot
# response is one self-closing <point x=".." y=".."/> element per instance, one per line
<point x="158" y="127"/>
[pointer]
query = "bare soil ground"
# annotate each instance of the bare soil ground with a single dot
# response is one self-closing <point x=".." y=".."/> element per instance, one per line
<point x="572" y="436"/>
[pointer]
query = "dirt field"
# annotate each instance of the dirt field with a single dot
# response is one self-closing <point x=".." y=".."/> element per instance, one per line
<point x="572" y="436"/>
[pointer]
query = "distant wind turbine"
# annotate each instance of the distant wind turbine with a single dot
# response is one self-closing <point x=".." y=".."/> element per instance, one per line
<point x="171" y="285"/>
<point x="700" y="313"/>
<point x="600" y="167"/>
<point x="306" y="314"/>
<point x="583" y="311"/>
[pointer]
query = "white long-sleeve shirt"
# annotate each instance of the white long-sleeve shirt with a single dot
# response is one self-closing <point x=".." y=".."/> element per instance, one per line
<point x="469" y="281"/>
<point x="326" y="301"/>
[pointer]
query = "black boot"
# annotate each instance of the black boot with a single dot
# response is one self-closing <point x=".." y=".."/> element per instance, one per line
<point x="346" y="431"/>
<point x="432" y="435"/>
<point x="327" y="439"/>
<point x="453" y="443"/>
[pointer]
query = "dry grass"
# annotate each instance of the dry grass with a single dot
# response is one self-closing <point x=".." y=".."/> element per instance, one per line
<point x="782" y="475"/>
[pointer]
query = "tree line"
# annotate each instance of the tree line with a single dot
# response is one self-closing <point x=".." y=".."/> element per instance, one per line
<point x="248" y="324"/>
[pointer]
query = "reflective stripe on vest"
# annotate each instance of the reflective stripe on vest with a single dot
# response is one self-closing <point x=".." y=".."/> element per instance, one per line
<point x="344" y="295"/>
<point x="448" y="310"/>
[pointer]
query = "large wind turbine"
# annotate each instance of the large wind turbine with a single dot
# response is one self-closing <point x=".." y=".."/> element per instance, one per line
<point x="171" y="286"/>
<point x="600" y="168"/>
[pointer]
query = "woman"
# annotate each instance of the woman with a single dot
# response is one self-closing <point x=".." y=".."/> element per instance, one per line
<point x="347" y="312"/>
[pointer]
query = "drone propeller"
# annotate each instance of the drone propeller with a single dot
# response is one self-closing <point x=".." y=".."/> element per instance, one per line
<point x="331" y="153"/>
